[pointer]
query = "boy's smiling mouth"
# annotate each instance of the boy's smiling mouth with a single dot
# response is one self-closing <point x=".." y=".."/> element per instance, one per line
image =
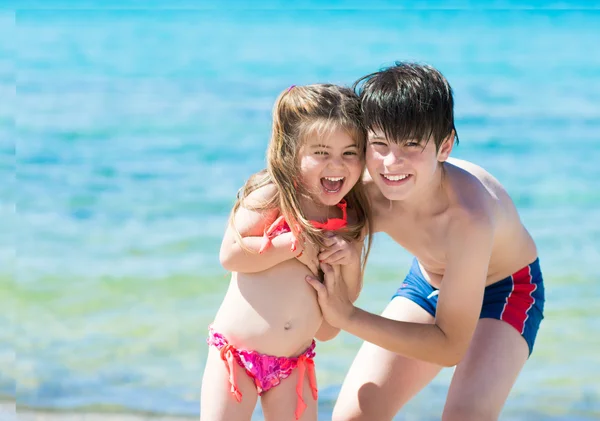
<point x="332" y="184"/>
<point x="395" y="179"/>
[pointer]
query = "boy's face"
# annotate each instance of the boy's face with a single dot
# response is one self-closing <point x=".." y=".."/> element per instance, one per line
<point x="401" y="169"/>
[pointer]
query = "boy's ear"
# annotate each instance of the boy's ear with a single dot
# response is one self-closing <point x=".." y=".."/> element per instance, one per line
<point x="446" y="148"/>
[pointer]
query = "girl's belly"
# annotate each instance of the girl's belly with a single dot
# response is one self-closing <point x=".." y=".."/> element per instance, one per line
<point x="274" y="312"/>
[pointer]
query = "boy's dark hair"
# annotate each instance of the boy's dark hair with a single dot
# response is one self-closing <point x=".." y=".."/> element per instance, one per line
<point x="408" y="101"/>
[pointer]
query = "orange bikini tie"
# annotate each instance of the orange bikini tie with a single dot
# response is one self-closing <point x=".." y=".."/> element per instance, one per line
<point x="305" y="363"/>
<point x="228" y="357"/>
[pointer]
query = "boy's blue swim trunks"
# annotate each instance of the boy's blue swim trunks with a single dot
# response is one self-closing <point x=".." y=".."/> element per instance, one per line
<point x="518" y="299"/>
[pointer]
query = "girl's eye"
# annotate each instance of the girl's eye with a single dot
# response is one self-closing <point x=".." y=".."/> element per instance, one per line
<point x="350" y="153"/>
<point x="320" y="153"/>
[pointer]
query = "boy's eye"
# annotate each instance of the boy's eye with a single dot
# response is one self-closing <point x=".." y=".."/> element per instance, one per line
<point x="320" y="153"/>
<point x="350" y="153"/>
<point x="378" y="143"/>
<point x="413" y="144"/>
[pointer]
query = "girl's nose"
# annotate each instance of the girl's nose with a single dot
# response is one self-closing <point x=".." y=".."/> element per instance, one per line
<point x="336" y="162"/>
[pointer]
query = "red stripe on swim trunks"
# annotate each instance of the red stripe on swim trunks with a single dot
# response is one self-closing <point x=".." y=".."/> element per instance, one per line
<point x="520" y="300"/>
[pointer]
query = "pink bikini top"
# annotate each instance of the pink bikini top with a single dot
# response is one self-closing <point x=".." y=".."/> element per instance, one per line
<point x="334" y="223"/>
<point x="281" y="226"/>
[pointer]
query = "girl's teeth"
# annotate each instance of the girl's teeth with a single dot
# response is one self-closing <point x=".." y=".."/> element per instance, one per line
<point x="332" y="184"/>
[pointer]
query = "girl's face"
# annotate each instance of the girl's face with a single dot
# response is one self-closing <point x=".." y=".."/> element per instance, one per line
<point x="330" y="166"/>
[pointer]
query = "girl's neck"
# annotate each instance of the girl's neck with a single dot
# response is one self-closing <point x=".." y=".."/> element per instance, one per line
<point x="316" y="211"/>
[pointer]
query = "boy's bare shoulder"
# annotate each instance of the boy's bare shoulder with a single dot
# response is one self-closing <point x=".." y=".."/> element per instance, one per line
<point x="482" y="175"/>
<point x="473" y="216"/>
<point x="478" y="195"/>
<point x="471" y="219"/>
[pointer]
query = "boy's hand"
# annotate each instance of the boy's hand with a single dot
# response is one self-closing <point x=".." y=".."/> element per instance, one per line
<point x="333" y="296"/>
<point x="308" y="257"/>
<point x="338" y="251"/>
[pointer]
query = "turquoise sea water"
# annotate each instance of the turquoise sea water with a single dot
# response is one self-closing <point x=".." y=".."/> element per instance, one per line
<point x="125" y="135"/>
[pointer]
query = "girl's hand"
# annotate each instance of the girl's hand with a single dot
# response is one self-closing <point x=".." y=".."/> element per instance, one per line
<point x="308" y="257"/>
<point x="338" y="250"/>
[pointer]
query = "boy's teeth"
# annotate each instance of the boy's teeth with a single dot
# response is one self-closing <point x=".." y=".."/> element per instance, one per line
<point x="396" y="177"/>
<point x="333" y="178"/>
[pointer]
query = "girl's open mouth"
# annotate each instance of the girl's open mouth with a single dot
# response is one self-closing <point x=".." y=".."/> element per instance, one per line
<point x="332" y="184"/>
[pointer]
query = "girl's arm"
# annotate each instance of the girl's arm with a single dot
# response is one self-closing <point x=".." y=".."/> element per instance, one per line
<point x="242" y="255"/>
<point x="352" y="272"/>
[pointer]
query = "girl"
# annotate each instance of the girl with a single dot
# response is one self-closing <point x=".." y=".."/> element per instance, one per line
<point x="307" y="206"/>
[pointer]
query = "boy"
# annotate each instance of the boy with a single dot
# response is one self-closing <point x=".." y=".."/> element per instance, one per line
<point x="474" y="295"/>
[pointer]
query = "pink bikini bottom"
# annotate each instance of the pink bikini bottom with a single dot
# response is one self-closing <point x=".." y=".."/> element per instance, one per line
<point x="267" y="371"/>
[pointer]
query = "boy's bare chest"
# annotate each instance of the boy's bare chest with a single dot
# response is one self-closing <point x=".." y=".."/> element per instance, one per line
<point x="424" y="239"/>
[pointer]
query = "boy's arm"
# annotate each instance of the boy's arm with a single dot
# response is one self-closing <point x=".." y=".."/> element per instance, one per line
<point x="352" y="276"/>
<point x="459" y="302"/>
<point x="326" y="332"/>
<point x="251" y="224"/>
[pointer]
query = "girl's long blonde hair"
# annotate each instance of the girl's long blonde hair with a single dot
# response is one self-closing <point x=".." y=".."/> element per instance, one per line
<point x="299" y="112"/>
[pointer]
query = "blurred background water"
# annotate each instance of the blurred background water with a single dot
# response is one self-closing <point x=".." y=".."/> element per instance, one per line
<point x="125" y="134"/>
